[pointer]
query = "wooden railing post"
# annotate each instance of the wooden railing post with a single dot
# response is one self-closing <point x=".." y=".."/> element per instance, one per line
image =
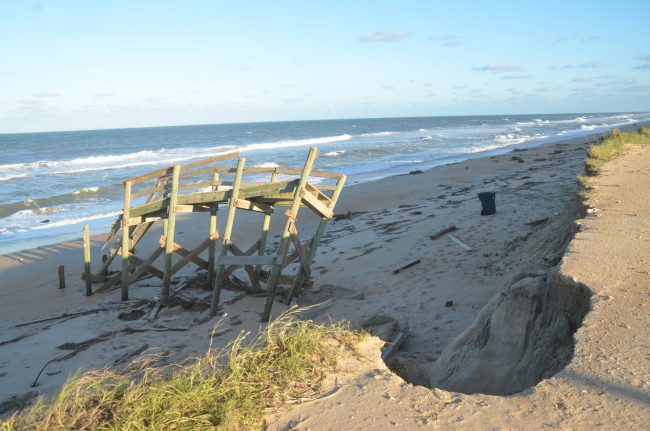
<point x="265" y="230"/>
<point x="213" y="229"/>
<point x="169" y="235"/>
<point x="292" y="214"/>
<point x="87" y="274"/>
<point x="227" y="232"/>
<point x="125" y="240"/>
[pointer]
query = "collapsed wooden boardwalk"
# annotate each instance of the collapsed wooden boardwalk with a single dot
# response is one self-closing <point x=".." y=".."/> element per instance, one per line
<point x="204" y="186"/>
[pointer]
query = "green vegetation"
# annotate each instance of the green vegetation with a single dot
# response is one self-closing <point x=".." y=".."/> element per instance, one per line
<point x="612" y="145"/>
<point x="227" y="389"/>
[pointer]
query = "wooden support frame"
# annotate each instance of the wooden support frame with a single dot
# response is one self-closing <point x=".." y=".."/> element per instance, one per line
<point x="162" y="194"/>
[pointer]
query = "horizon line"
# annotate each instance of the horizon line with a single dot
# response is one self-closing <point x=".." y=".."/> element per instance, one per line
<point x="318" y="119"/>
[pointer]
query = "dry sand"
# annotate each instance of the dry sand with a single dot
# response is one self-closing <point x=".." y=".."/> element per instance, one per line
<point x="439" y="297"/>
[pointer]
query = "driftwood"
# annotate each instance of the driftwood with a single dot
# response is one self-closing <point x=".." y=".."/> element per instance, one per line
<point x="396" y="341"/>
<point x="443" y="232"/>
<point x="66" y="315"/>
<point x="459" y="242"/>
<point x="407" y="266"/>
<point x="75" y="349"/>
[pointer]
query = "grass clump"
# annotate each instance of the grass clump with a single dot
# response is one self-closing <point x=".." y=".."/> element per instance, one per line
<point x="226" y="389"/>
<point x="611" y="147"/>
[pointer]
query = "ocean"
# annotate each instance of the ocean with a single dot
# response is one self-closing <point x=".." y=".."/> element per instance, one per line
<point x="53" y="183"/>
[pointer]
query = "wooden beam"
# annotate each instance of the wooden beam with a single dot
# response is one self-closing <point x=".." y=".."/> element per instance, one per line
<point x="125" y="241"/>
<point x="213" y="229"/>
<point x="169" y="235"/>
<point x="146" y="266"/>
<point x="227" y="232"/>
<point x="88" y="280"/>
<point x="292" y="214"/>
<point x="316" y="205"/>
<point x="247" y="260"/>
<point x="251" y="206"/>
<point x="191" y="256"/>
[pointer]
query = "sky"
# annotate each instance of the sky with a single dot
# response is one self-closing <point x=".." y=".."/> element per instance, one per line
<point x="91" y="64"/>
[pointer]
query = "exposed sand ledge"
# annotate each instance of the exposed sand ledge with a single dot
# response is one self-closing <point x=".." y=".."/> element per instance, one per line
<point x="607" y="382"/>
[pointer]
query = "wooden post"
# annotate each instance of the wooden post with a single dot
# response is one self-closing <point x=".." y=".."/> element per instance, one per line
<point x="315" y="242"/>
<point x="213" y="229"/>
<point x="61" y="277"/>
<point x="227" y="231"/>
<point x="169" y="235"/>
<point x="265" y="230"/>
<point x="125" y="241"/>
<point x="292" y="214"/>
<point x="89" y="286"/>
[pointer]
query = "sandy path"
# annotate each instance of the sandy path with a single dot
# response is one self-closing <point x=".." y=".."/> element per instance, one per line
<point x="605" y="386"/>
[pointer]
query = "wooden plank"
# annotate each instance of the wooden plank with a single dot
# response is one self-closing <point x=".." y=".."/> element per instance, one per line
<point x="286" y="238"/>
<point x="227" y="232"/>
<point x="88" y="279"/>
<point x="266" y="223"/>
<point x="203" y="162"/>
<point x="149" y="191"/>
<point x="137" y="262"/>
<point x="247" y="260"/>
<point x="302" y="256"/>
<point x="183" y="252"/>
<point x="146" y="265"/>
<point x="149" y="176"/>
<point x="169" y="235"/>
<point x="197" y="208"/>
<point x="459" y="242"/>
<point x="316" y="205"/>
<point x="125" y="241"/>
<point x="213" y="229"/>
<point x="251" y="206"/>
<point x="135" y="221"/>
<point x="191" y="256"/>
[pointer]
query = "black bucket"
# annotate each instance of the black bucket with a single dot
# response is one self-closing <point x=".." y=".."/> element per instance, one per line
<point x="488" y="204"/>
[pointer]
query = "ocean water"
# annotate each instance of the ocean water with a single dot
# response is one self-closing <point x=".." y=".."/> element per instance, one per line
<point x="52" y="183"/>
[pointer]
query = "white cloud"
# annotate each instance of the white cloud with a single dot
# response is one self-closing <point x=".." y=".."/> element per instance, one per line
<point x="496" y="67"/>
<point x="581" y="79"/>
<point x="515" y="77"/>
<point x="384" y="36"/>
<point x="47" y="94"/>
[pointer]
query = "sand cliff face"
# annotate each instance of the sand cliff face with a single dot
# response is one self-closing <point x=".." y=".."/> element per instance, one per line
<point x="523" y="335"/>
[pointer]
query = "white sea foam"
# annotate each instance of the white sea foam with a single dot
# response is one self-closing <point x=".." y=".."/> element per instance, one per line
<point x="295" y="143"/>
<point x="427" y="138"/>
<point x="365" y="135"/>
<point x="335" y="153"/>
<point x="267" y="165"/>
<point x="75" y="220"/>
<point x="86" y="190"/>
<point x="11" y="177"/>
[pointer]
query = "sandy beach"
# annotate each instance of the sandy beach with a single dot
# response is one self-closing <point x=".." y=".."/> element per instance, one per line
<point x="390" y="224"/>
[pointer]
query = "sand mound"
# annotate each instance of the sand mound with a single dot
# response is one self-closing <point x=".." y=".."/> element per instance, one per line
<point x="523" y="335"/>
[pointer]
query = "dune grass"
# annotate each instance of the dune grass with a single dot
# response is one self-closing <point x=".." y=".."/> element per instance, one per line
<point x="226" y="389"/>
<point x="611" y="147"/>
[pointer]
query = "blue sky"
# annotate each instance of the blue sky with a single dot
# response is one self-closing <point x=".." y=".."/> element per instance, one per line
<point x="67" y="65"/>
